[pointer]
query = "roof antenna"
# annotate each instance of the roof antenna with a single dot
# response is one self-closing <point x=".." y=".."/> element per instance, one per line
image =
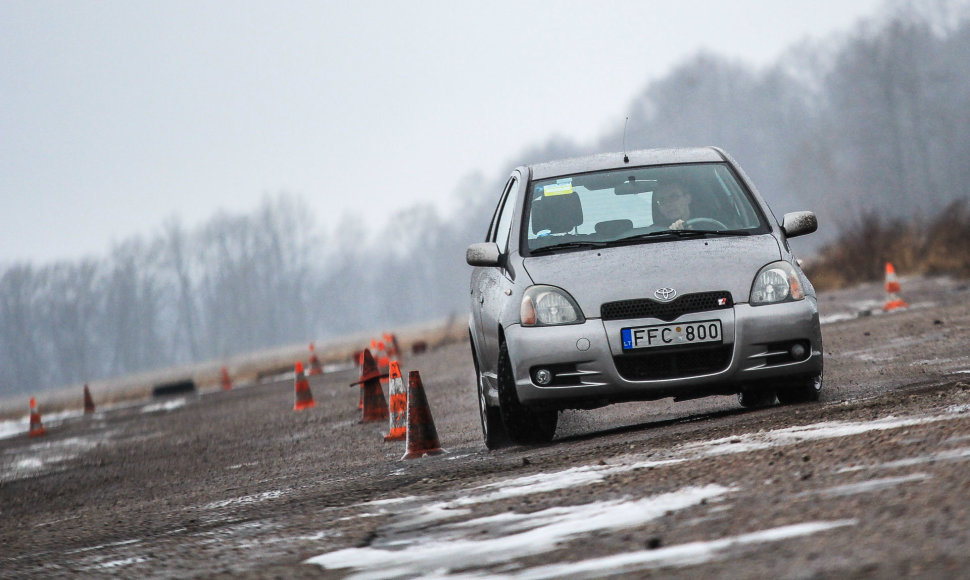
<point x="625" y="123"/>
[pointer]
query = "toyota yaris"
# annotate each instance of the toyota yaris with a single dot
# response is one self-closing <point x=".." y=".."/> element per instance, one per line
<point x="611" y="278"/>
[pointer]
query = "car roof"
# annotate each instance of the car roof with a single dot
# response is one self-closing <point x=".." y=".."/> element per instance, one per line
<point x="638" y="157"/>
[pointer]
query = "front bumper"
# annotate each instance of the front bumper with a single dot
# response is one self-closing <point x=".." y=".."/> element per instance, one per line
<point x="591" y="368"/>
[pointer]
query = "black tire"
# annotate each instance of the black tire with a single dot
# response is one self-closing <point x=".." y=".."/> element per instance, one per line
<point x="523" y="425"/>
<point x="493" y="431"/>
<point x="753" y="398"/>
<point x="805" y="390"/>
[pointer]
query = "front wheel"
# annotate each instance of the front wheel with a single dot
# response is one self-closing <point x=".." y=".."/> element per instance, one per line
<point x="523" y="425"/>
<point x="756" y="397"/>
<point x="493" y="432"/>
<point x="805" y="390"/>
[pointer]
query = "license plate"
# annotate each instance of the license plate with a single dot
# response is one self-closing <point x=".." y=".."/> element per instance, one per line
<point x="671" y="334"/>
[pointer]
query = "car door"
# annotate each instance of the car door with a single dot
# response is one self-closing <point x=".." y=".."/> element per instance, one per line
<point x="496" y="282"/>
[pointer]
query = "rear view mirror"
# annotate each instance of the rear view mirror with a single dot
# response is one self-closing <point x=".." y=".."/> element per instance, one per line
<point x="482" y="254"/>
<point x="632" y="186"/>
<point x="799" y="223"/>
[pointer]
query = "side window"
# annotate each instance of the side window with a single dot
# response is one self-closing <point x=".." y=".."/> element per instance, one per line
<point x="501" y="232"/>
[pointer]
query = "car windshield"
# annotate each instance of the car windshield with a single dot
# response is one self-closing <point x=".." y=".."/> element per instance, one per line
<point x="638" y="205"/>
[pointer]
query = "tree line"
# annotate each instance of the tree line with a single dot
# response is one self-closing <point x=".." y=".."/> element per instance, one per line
<point x="876" y="122"/>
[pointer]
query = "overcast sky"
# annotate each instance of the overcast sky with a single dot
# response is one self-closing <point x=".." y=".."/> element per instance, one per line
<point x="117" y="115"/>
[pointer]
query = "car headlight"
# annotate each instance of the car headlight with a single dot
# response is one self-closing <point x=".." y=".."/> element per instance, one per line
<point x="547" y="306"/>
<point x="776" y="282"/>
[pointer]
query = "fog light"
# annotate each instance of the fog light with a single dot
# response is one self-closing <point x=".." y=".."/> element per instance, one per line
<point x="543" y="377"/>
<point x="797" y="351"/>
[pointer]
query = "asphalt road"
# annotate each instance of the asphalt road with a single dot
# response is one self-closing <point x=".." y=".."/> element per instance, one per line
<point x="873" y="481"/>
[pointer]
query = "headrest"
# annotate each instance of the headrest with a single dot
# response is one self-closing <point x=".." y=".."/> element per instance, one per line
<point x="556" y="213"/>
<point x="613" y="227"/>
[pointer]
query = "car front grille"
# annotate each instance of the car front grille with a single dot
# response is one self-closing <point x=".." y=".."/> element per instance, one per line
<point x="666" y="311"/>
<point x="670" y="364"/>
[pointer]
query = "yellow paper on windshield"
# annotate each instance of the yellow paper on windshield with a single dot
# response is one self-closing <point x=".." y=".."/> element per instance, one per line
<point x="557" y="189"/>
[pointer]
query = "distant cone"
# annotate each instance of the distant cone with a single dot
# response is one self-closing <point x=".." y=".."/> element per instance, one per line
<point x="893" y="301"/>
<point x="398" y="405"/>
<point x="315" y="367"/>
<point x="36" y="427"/>
<point x="304" y="398"/>
<point x="374" y="404"/>
<point x="422" y="437"/>
<point x="226" y="381"/>
<point x="88" y="401"/>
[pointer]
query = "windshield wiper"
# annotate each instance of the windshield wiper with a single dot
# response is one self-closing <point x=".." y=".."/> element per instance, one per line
<point x="568" y="246"/>
<point x="724" y="232"/>
<point x="682" y="234"/>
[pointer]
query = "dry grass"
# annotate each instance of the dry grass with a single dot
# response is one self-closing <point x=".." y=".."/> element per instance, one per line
<point x="935" y="246"/>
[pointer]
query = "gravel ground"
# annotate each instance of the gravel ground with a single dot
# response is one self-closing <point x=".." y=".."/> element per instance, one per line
<point x="870" y="482"/>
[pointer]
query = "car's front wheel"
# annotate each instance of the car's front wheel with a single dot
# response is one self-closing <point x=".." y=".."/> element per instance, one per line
<point x="752" y="398"/>
<point x="493" y="432"/>
<point x="805" y="390"/>
<point x="523" y="425"/>
<point x="492" y="429"/>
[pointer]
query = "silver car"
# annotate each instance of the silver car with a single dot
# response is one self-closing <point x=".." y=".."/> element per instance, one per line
<point x="611" y="278"/>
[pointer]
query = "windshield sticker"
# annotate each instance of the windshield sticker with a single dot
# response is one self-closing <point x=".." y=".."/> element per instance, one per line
<point x="558" y="189"/>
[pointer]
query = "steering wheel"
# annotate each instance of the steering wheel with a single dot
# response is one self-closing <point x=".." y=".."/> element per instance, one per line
<point x="706" y="221"/>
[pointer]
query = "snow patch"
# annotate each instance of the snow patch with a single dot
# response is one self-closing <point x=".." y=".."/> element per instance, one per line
<point x="244" y="500"/>
<point x="868" y="486"/>
<point x="507" y="538"/>
<point x="792" y="435"/>
<point x="961" y="454"/>
<point x="166" y="406"/>
<point x="838" y="317"/>
<point x="679" y="556"/>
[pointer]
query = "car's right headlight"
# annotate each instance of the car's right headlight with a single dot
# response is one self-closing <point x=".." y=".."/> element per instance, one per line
<point x="777" y="282"/>
<point x="548" y="306"/>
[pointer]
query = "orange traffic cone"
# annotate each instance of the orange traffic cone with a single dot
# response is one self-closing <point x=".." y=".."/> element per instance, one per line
<point x="422" y="437"/>
<point x="893" y="301"/>
<point x="315" y="367"/>
<point x="391" y="341"/>
<point x="375" y="405"/>
<point x="226" y="381"/>
<point x="304" y="398"/>
<point x="36" y="427"/>
<point x="399" y="405"/>
<point x="88" y="401"/>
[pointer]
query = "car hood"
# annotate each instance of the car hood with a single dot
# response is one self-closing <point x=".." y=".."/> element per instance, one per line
<point x="593" y="277"/>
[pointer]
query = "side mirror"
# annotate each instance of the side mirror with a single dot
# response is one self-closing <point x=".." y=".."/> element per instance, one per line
<point x="482" y="254"/>
<point x="799" y="223"/>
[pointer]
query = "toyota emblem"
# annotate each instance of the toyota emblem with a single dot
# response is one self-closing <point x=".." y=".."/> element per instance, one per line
<point x="665" y="294"/>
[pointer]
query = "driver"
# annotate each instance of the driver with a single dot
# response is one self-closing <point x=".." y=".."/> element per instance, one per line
<point x="673" y="203"/>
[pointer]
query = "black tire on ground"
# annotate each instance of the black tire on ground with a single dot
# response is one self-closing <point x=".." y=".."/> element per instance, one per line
<point x="493" y="431"/>
<point x="752" y="398"/>
<point x="523" y="425"/>
<point x="804" y="390"/>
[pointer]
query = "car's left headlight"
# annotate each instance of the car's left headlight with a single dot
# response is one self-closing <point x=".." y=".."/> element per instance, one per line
<point x="548" y="306"/>
<point x="776" y="282"/>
